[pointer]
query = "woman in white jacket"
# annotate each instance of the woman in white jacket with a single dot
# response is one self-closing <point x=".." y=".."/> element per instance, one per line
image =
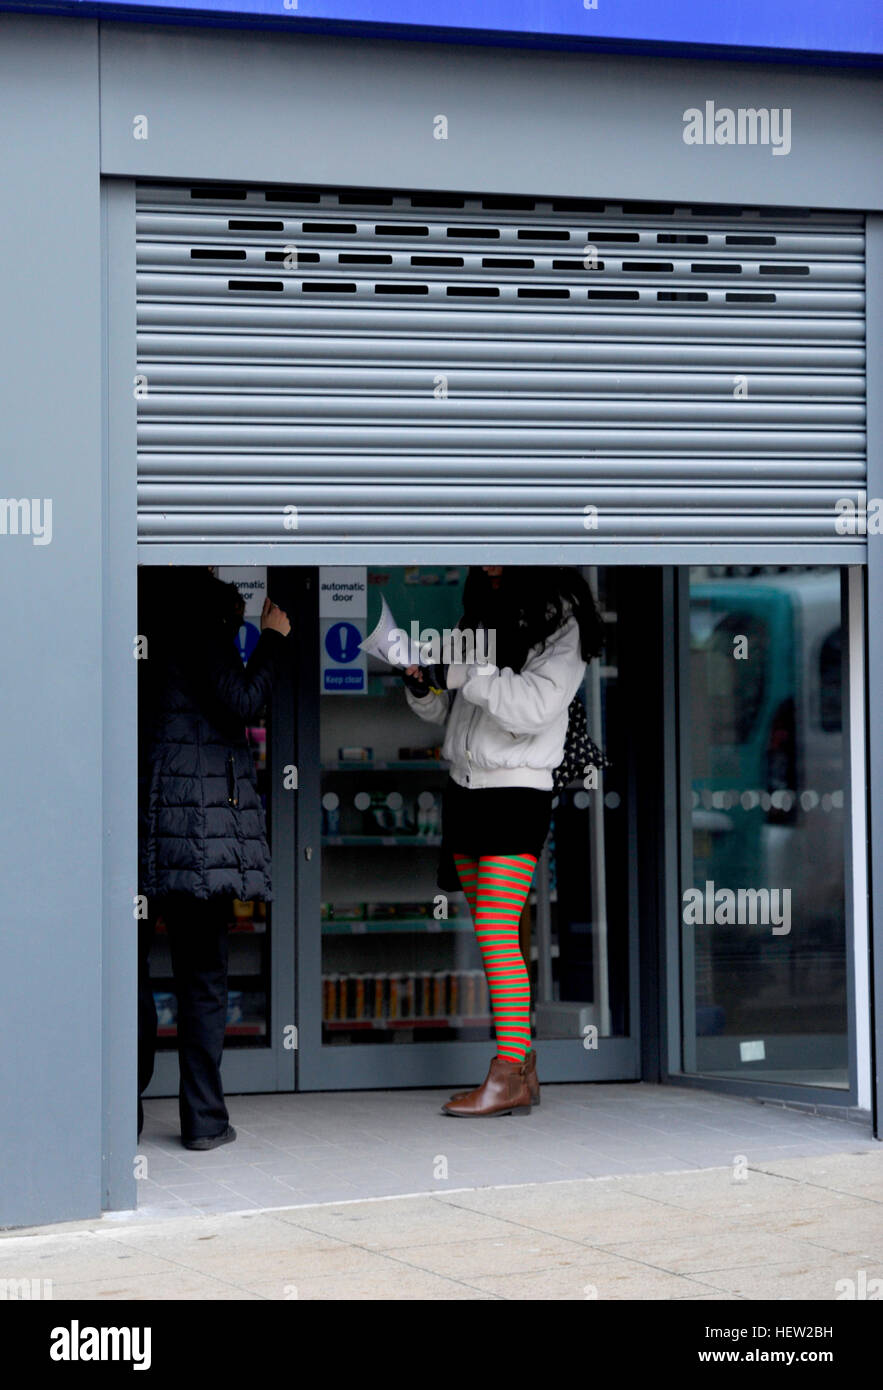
<point x="506" y="727"/>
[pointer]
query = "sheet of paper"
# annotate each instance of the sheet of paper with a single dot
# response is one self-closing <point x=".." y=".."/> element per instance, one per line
<point x="391" y="643"/>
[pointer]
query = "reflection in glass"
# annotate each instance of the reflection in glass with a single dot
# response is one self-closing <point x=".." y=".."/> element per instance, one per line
<point x="398" y="967"/>
<point x="764" y="934"/>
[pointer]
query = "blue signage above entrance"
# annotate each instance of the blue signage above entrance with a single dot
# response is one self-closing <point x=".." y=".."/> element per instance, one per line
<point x="796" y="26"/>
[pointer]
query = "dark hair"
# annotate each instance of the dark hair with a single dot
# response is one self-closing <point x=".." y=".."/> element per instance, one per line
<point x="180" y="606"/>
<point x="531" y="603"/>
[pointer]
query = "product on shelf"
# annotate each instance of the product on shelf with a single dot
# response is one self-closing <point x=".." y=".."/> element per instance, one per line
<point x="420" y="755"/>
<point x="453" y="993"/>
<point x="483" y="1003"/>
<point x="380" y="996"/>
<point x="373" y="996"/>
<point x="242" y="910"/>
<point x="467" y="994"/>
<point x="331" y="814"/>
<point x="407" y="995"/>
<point x="426" y="995"/>
<point x="382" y="911"/>
<point x="234" y="1007"/>
<point x="428" y="813"/>
<point x="355" y="755"/>
<point x="344" y="912"/>
<point x="257" y="738"/>
<point x="384" y="813"/>
<point x="166" y="1008"/>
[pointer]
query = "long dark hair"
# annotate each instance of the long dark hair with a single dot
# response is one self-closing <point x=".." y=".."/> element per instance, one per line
<point x="531" y="603"/>
<point x="180" y="605"/>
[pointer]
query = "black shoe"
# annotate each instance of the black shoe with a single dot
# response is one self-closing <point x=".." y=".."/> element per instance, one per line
<point x="213" y="1141"/>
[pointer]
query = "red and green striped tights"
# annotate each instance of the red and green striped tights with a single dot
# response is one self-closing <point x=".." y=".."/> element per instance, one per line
<point x="496" y="888"/>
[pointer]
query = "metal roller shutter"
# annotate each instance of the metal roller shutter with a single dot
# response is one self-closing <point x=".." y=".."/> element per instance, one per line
<point x="439" y="367"/>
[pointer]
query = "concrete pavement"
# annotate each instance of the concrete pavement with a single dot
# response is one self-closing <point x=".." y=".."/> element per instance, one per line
<point x="803" y="1226"/>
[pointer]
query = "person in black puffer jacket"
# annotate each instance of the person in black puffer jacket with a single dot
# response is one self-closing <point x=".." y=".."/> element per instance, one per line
<point x="202" y="830"/>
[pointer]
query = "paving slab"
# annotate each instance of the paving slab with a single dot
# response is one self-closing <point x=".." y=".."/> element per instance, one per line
<point x="402" y="1205"/>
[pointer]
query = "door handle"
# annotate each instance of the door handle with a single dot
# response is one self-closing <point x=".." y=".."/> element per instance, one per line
<point x="308" y="852"/>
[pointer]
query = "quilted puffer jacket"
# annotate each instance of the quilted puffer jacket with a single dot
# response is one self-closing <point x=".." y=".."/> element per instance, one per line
<point x="202" y="826"/>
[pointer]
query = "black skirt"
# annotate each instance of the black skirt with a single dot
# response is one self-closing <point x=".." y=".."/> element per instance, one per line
<point x="491" y="820"/>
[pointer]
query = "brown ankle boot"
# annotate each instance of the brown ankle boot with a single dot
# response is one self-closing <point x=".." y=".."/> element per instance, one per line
<point x="505" y="1091"/>
<point x="530" y="1072"/>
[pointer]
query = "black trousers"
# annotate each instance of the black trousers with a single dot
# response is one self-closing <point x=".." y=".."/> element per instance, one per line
<point x="197" y="935"/>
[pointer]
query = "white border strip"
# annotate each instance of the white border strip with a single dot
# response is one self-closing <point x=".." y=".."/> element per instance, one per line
<point x="859" y="783"/>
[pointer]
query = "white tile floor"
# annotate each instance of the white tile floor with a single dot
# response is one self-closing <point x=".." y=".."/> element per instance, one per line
<point x="334" y="1146"/>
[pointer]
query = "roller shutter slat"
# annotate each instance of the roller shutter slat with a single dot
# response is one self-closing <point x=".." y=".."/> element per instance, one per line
<point x="311" y="383"/>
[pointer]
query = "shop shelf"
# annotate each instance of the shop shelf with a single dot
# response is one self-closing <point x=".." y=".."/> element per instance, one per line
<point x="387" y="765"/>
<point x="254" y="1029"/>
<point x="358" y="927"/>
<point x="348" y="1025"/>
<point x="253" y="926"/>
<point x="167" y="982"/>
<point x="414" y="841"/>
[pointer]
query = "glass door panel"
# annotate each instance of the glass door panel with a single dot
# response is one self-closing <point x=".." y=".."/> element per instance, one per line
<point x="763" y="909"/>
<point x="257" y="1056"/>
<point x="399" y="959"/>
<point x="580" y="955"/>
<point x="391" y="976"/>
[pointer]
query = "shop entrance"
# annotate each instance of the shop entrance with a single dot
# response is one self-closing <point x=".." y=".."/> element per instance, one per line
<point x="361" y="972"/>
<point x="340" y="374"/>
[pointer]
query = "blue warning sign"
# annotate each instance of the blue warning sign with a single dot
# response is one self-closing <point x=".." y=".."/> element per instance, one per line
<point x="342" y="642"/>
<point x="344" y="665"/>
<point x="247" y="639"/>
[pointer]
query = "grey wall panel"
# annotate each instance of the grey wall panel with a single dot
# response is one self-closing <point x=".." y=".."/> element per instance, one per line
<point x="50" y="625"/>
<point x="450" y="368"/>
<point x="223" y="104"/>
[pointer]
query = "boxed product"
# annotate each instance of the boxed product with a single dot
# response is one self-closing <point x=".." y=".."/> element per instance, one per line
<point x="166" y="1009"/>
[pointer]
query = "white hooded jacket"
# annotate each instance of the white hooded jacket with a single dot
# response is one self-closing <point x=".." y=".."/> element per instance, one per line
<point x="503" y="729"/>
